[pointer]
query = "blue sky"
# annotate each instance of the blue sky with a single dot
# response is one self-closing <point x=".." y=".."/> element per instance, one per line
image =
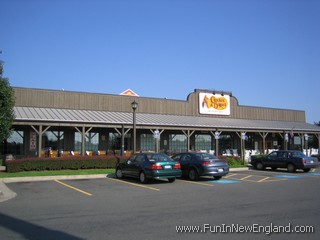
<point x="266" y="52"/>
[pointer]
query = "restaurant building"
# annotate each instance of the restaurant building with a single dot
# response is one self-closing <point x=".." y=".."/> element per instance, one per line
<point x="82" y="123"/>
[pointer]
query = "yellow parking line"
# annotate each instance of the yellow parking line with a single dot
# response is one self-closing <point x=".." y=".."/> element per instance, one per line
<point x="77" y="189"/>
<point x="199" y="183"/>
<point x="275" y="180"/>
<point x="230" y="175"/>
<point x="246" y="177"/>
<point x="263" y="179"/>
<point x="134" y="184"/>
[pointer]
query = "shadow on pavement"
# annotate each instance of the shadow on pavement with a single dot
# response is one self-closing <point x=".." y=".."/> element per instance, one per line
<point x="29" y="230"/>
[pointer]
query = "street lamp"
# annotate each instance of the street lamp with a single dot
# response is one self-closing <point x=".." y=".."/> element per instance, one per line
<point x="306" y="137"/>
<point x="134" y="106"/>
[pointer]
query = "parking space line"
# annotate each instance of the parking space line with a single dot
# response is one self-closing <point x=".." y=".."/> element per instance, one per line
<point x="263" y="179"/>
<point x="231" y="175"/>
<point x="249" y="176"/>
<point x="74" y="188"/>
<point x="244" y="180"/>
<point x="199" y="183"/>
<point x="134" y="184"/>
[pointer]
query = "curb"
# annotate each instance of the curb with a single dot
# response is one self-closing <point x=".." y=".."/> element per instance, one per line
<point x="48" y="178"/>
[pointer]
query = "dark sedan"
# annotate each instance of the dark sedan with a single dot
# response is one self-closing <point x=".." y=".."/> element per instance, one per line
<point x="291" y="160"/>
<point x="146" y="166"/>
<point x="196" y="164"/>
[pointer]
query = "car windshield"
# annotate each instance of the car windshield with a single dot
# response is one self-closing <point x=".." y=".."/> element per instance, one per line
<point x="205" y="156"/>
<point x="159" y="157"/>
<point x="298" y="154"/>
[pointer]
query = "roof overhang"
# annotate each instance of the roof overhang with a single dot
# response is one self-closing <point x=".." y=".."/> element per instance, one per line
<point x="69" y="117"/>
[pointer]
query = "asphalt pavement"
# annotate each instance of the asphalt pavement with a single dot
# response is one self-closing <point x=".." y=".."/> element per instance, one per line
<point x="7" y="194"/>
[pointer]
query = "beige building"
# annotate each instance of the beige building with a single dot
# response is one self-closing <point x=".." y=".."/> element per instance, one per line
<point x="94" y="123"/>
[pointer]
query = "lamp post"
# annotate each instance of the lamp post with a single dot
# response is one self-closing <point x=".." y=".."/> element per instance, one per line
<point x="306" y="137"/>
<point x="134" y="106"/>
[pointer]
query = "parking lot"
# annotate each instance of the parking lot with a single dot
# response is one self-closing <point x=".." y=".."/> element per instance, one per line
<point x="110" y="208"/>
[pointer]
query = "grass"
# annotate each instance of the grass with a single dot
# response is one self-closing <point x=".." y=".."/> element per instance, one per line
<point x="56" y="173"/>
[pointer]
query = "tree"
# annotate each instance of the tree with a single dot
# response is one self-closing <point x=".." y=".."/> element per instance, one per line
<point x="6" y="106"/>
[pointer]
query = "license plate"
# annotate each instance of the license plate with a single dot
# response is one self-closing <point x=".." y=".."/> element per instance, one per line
<point x="167" y="167"/>
<point x="220" y="170"/>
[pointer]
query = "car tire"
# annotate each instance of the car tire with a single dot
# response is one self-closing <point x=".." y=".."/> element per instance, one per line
<point x="259" y="166"/>
<point x="193" y="174"/>
<point x="119" y="173"/>
<point x="217" y="177"/>
<point x="142" y="177"/>
<point x="171" y="180"/>
<point x="291" y="168"/>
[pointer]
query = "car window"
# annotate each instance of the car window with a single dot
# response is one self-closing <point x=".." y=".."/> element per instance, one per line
<point x="176" y="157"/>
<point x="274" y="154"/>
<point x="186" y="157"/>
<point x="140" y="158"/>
<point x="205" y="156"/>
<point x="298" y="154"/>
<point x="159" y="157"/>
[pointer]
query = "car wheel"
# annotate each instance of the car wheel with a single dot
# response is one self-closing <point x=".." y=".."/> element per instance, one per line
<point x="142" y="177"/>
<point x="171" y="179"/>
<point x="291" y="168"/>
<point x="259" y="166"/>
<point x="119" y="173"/>
<point x="306" y="170"/>
<point x="217" y="177"/>
<point x="193" y="174"/>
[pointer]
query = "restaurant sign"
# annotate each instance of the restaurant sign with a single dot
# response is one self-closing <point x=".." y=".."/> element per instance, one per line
<point x="218" y="104"/>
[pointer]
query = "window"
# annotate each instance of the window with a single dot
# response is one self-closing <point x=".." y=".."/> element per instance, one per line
<point x="147" y="142"/>
<point x="92" y="141"/>
<point x="203" y="142"/>
<point x="53" y="139"/>
<point x="14" y="144"/>
<point x="177" y="142"/>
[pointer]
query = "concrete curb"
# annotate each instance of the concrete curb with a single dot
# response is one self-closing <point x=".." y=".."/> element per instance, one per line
<point x="49" y="178"/>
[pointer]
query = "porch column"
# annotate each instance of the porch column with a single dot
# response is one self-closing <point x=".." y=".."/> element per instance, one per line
<point x="263" y="136"/>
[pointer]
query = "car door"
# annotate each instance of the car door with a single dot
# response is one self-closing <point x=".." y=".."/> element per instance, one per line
<point x="185" y="162"/>
<point x="138" y="165"/>
<point x="282" y="159"/>
<point x="128" y="167"/>
<point x="270" y="160"/>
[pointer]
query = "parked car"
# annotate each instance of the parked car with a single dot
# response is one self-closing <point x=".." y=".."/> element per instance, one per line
<point x="145" y="166"/>
<point x="290" y="159"/>
<point x="196" y="164"/>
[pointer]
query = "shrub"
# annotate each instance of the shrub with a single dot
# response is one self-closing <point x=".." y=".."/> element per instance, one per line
<point x="61" y="163"/>
<point x="235" y="161"/>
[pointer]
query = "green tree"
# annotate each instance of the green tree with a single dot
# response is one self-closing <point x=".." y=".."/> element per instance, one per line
<point x="7" y="102"/>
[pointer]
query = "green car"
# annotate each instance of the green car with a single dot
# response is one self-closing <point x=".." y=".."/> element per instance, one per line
<point x="145" y="166"/>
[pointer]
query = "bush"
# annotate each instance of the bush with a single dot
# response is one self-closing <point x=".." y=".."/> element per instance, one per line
<point x="61" y="163"/>
<point x="235" y="162"/>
